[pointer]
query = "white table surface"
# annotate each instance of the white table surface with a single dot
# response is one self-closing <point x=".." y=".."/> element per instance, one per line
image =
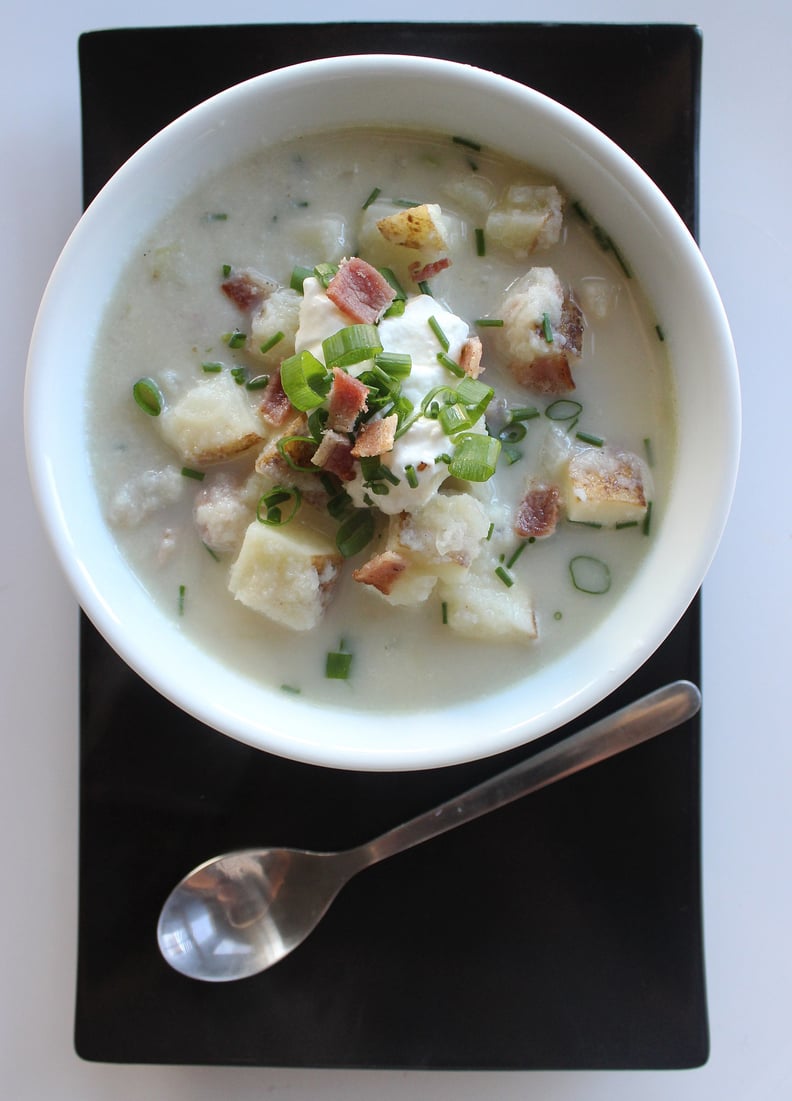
<point x="746" y="199"/>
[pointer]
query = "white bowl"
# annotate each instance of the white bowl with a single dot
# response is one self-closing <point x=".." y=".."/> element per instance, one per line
<point x="440" y="96"/>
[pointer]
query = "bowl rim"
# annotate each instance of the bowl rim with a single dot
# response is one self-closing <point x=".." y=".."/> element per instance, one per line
<point x="347" y="751"/>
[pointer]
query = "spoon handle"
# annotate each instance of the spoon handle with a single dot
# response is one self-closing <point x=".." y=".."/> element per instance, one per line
<point x="637" y="722"/>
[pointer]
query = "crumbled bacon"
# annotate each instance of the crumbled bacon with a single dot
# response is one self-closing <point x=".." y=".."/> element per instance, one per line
<point x="360" y="291"/>
<point x="334" y="454"/>
<point x="382" y="571"/>
<point x="419" y="272"/>
<point x="470" y="357"/>
<point x="538" y="513"/>
<point x="548" y="374"/>
<point x="376" y="437"/>
<point x="247" y="288"/>
<point x="275" y="407"/>
<point x="347" y="400"/>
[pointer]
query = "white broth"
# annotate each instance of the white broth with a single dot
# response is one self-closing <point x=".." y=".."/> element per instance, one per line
<point x="302" y="204"/>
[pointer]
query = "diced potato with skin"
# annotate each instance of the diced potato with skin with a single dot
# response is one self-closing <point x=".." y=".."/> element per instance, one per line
<point x="417" y="227"/>
<point x="384" y="253"/>
<point x="286" y="573"/>
<point x="479" y="605"/>
<point x="212" y="423"/>
<point x="278" y="313"/>
<point x="527" y="219"/>
<point x="605" y="487"/>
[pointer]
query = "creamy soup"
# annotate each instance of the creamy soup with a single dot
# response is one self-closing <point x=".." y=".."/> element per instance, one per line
<point x="388" y="397"/>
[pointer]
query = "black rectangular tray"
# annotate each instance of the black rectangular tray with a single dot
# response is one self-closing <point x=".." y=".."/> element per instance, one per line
<point x="562" y="932"/>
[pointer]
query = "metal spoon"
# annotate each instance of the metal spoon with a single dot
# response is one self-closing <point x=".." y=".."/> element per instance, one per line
<point x="238" y="914"/>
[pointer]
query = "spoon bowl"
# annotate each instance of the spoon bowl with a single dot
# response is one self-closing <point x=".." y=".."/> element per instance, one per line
<point x="238" y="914"/>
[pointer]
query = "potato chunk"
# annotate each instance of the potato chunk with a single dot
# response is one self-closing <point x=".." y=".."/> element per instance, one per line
<point x="418" y="227"/>
<point x="212" y="422"/>
<point x="606" y="487"/>
<point x="286" y="573"/>
<point x="528" y="218"/>
<point x="481" y="606"/>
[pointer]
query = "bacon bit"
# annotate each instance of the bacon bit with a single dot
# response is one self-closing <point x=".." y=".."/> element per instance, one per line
<point x="275" y="407"/>
<point x="470" y="357"/>
<point x="360" y="291"/>
<point x="419" y="273"/>
<point x="247" y="288"/>
<point x="548" y="374"/>
<point x="538" y="513"/>
<point x="348" y="398"/>
<point x="382" y="571"/>
<point x="376" y="437"/>
<point x="334" y="454"/>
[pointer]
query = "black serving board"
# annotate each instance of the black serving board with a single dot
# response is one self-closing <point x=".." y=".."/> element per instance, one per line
<point x="564" y="931"/>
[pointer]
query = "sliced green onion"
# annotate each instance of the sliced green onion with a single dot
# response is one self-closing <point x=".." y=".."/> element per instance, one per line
<point x="283" y="450"/>
<point x="211" y="368"/>
<point x="374" y="194"/>
<point x="188" y="472"/>
<point x="547" y="328"/>
<point x="394" y="364"/>
<point x="276" y="338"/>
<point x="355" y="532"/>
<point x="481" y="244"/>
<point x="436" y="328"/>
<point x="505" y="576"/>
<point x="338" y="665"/>
<point x="450" y="365"/>
<point x="424" y="288"/>
<point x="453" y="419"/>
<point x="305" y="380"/>
<point x="269" y="510"/>
<point x="489" y="322"/>
<point x="512" y="433"/>
<point x="298" y="276"/>
<point x="590" y="575"/>
<point x="511" y="453"/>
<point x="396" y="308"/>
<point x="475" y="457"/>
<point x="563" y="410"/>
<point x="148" y="396"/>
<point x="350" y="345"/>
<point x="586" y="437"/>
<point x="325" y="273"/>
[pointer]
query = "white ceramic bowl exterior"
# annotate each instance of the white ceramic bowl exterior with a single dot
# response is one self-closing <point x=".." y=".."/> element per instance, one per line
<point x="436" y="95"/>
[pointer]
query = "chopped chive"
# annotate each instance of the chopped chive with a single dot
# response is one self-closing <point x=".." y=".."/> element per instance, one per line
<point x="436" y="328"/>
<point x="291" y="689"/>
<point x="603" y="239"/>
<point x="405" y="202"/>
<point x="649" y="450"/>
<point x="257" y="383"/>
<point x="338" y="664"/>
<point x="444" y="612"/>
<point x="188" y="472"/>
<point x="481" y="244"/>
<point x="625" y="524"/>
<point x="424" y="288"/>
<point x="325" y="273"/>
<point x="226" y="270"/>
<point x="239" y="375"/>
<point x="283" y="445"/>
<point x="581" y="212"/>
<point x="660" y="333"/>
<point x="468" y="142"/>
<point x="212" y="552"/>
<point x="211" y="368"/>
<point x="523" y="413"/>
<point x="647" y="523"/>
<point x="489" y="322"/>
<point x="511" y="561"/>
<point x="148" y="396"/>
<point x="594" y="524"/>
<point x="298" y="276"/>
<point x="563" y="409"/>
<point x="276" y="338"/>
<point x="374" y="194"/>
<point x="505" y="576"/>
<point x="511" y="453"/>
<point x="355" y="532"/>
<point x="512" y="433"/>
<point x="411" y="476"/>
<point x="216" y="216"/>
<point x="558" y="615"/>
<point x="396" y="308"/>
<point x="547" y="328"/>
<point x="590" y="575"/>
<point x="268" y="509"/>
<point x="236" y="339"/>
<point x="182" y="592"/>
<point x="586" y="437"/>
<point x="490" y="530"/>
<point x="450" y="365"/>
